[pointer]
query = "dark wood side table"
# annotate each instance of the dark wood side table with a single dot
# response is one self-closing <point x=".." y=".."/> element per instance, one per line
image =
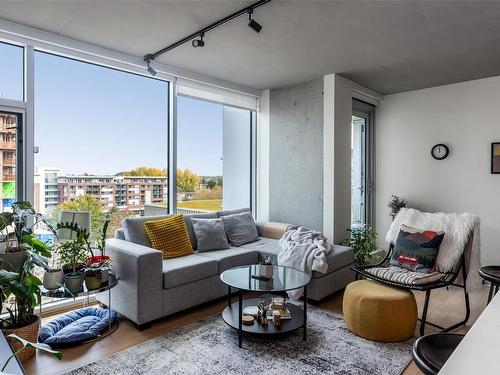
<point x="491" y="274"/>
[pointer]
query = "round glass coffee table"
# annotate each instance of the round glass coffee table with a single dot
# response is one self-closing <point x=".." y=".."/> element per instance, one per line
<point x="244" y="280"/>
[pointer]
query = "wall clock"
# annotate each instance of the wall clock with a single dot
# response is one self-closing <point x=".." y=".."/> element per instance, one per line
<point x="440" y="151"/>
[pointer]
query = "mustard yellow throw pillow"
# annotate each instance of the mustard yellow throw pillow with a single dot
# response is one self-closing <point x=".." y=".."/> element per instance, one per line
<point x="170" y="236"/>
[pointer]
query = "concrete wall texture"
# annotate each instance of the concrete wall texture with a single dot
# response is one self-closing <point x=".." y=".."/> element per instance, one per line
<point x="296" y="154"/>
<point x="463" y="116"/>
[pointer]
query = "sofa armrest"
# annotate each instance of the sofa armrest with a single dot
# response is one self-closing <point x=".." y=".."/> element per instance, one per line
<point x="139" y="269"/>
<point x="272" y="229"/>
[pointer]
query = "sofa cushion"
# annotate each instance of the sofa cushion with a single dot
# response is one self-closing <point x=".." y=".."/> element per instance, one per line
<point x="187" y="269"/>
<point x="232" y="212"/>
<point x="170" y="236"/>
<point x="210" y="234"/>
<point x="232" y="257"/>
<point x="267" y="247"/>
<point x="339" y="257"/>
<point x="189" y="224"/>
<point x="120" y="234"/>
<point x="240" y="228"/>
<point x="134" y="231"/>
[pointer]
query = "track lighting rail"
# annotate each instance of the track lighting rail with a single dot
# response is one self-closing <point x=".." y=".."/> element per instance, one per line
<point x="248" y="10"/>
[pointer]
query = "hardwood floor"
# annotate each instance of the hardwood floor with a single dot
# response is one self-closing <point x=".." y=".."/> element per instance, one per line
<point x="446" y="307"/>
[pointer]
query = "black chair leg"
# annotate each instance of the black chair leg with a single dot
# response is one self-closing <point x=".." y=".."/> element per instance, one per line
<point x="467" y="314"/>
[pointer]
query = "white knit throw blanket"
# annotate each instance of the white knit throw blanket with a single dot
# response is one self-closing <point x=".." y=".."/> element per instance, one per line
<point x="457" y="228"/>
<point x="305" y="250"/>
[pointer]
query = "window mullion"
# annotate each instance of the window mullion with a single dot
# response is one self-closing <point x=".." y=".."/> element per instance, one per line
<point x="28" y="155"/>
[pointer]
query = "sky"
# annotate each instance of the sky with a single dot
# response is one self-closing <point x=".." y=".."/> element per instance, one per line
<point x="98" y="120"/>
<point x="11" y="72"/>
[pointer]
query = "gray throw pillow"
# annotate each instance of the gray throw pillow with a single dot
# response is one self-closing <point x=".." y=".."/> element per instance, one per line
<point x="240" y="228"/>
<point x="210" y="234"/>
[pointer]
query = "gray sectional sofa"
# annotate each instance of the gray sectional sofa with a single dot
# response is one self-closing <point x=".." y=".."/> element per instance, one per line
<point x="151" y="288"/>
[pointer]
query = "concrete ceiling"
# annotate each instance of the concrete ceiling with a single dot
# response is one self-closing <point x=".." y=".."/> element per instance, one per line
<point x="387" y="46"/>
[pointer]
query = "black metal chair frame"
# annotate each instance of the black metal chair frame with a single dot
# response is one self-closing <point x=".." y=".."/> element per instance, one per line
<point x="444" y="282"/>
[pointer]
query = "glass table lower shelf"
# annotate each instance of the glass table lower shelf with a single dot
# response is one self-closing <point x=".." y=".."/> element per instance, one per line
<point x="84" y="292"/>
<point x="232" y="313"/>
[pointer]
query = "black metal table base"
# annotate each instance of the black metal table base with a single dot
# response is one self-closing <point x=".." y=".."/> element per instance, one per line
<point x="298" y="319"/>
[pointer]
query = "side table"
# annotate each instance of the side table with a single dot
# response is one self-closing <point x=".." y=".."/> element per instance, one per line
<point x="64" y="294"/>
<point x="491" y="274"/>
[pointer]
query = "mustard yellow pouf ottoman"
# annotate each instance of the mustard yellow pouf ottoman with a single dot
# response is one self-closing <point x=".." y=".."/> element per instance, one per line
<point x="379" y="312"/>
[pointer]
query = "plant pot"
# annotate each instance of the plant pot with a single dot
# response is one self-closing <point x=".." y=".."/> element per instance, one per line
<point x="105" y="275"/>
<point x="13" y="261"/>
<point x="97" y="259"/>
<point x="73" y="282"/>
<point x="53" y="279"/>
<point x="29" y="332"/>
<point x="93" y="282"/>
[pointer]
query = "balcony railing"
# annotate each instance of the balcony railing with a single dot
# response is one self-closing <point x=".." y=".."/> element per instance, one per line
<point x="7" y="145"/>
<point x="159" y="209"/>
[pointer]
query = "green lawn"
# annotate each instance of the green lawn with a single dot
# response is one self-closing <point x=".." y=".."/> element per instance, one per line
<point x="207" y="204"/>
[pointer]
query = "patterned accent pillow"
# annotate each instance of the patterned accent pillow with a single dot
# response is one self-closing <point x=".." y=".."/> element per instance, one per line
<point x="170" y="236"/>
<point x="416" y="249"/>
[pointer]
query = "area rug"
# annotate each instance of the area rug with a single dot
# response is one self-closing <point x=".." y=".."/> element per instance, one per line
<point x="211" y="347"/>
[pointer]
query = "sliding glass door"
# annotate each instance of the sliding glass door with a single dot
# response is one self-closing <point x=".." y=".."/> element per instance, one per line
<point x="361" y="163"/>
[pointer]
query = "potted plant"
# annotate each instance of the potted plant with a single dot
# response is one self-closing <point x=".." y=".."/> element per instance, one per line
<point x="26" y="345"/>
<point x="54" y="276"/>
<point x="363" y="241"/>
<point x="395" y="204"/>
<point x="73" y="253"/>
<point x="14" y="226"/>
<point x="20" y="293"/>
<point x="93" y="276"/>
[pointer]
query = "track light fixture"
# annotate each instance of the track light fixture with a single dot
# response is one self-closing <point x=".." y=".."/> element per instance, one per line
<point x="198" y="42"/>
<point x="254" y="25"/>
<point x="201" y="33"/>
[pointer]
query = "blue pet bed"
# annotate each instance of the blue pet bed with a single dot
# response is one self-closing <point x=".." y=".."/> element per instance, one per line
<point x="76" y="327"/>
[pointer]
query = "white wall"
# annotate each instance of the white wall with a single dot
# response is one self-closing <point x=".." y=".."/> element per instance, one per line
<point x="465" y="117"/>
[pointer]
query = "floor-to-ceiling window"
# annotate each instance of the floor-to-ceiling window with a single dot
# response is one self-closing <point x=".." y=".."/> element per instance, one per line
<point x="86" y="137"/>
<point x="214" y="156"/>
<point x="100" y="139"/>
<point x="361" y="163"/>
